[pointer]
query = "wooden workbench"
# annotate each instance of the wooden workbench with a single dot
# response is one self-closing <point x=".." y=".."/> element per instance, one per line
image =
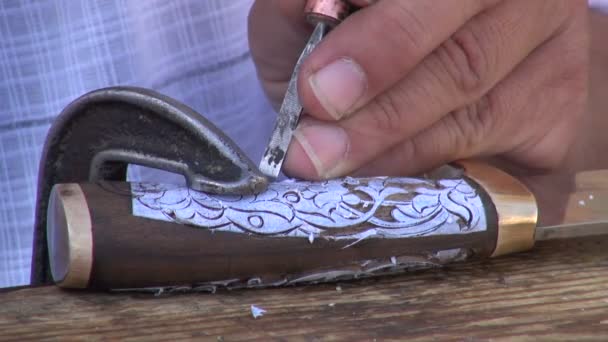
<point x="559" y="291"/>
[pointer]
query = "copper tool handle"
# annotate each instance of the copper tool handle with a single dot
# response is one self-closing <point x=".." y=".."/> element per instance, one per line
<point x="330" y="12"/>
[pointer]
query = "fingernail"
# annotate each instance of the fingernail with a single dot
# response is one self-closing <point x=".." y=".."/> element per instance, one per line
<point x="338" y="86"/>
<point x="326" y="146"/>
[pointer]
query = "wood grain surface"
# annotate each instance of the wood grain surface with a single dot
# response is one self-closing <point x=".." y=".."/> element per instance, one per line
<point x="557" y="292"/>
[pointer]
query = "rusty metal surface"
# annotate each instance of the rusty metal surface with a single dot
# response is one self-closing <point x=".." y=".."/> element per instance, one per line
<point x="98" y="135"/>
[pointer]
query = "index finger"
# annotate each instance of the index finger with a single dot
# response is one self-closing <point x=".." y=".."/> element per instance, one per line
<point x="374" y="48"/>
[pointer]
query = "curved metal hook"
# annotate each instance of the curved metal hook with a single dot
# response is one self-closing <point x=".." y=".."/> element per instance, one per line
<point x="100" y="133"/>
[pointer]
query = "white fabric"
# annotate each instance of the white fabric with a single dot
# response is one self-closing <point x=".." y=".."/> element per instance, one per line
<point x="599" y="4"/>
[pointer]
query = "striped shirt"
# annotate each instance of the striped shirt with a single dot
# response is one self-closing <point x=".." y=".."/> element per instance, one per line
<point x="53" y="51"/>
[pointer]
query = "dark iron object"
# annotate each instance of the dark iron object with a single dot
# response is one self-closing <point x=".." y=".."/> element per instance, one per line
<point x="98" y="135"/>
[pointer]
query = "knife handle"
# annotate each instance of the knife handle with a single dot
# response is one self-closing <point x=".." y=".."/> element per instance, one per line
<point x="116" y="235"/>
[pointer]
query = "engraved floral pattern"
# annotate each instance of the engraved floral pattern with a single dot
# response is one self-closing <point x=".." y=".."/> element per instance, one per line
<point x="349" y="208"/>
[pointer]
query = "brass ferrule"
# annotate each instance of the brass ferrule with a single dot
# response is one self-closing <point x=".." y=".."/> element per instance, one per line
<point x="515" y="205"/>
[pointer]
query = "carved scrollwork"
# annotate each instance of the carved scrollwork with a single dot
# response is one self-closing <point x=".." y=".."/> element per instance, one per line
<point x="344" y="209"/>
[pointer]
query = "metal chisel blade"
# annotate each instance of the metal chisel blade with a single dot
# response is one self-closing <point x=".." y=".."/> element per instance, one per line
<point x="289" y="114"/>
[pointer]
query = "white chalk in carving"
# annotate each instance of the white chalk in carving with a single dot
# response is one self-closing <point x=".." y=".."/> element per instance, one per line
<point x="257" y="312"/>
<point x="365" y="235"/>
<point x="451" y="255"/>
<point x="311" y="238"/>
<point x="394" y="260"/>
<point x="348" y="209"/>
<point x="581" y="203"/>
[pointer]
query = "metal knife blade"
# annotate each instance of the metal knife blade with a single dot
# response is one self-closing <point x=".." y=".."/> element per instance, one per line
<point x="289" y="114"/>
<point x="584" y="211"/>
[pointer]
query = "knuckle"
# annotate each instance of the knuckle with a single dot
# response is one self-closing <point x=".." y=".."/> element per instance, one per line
<point x="407" y="31"/>
<point x="464" y="60"/>
<point x="467" y="127"/>
<point x="411" y="150"/>
<point x="386" y="111"/>
<point x="574" y="72"/>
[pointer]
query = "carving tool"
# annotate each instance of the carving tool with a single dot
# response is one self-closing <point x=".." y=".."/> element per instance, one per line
<point x="324" y="14"/>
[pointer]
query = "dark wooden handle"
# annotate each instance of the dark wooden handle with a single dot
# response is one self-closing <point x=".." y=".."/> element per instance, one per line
<point x="96" y="241"/>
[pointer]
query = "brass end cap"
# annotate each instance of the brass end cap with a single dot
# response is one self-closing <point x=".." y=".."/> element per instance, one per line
<point x="69" y="236"/>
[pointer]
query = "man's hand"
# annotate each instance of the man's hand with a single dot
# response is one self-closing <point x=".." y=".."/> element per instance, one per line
<point x="403" y="86"/>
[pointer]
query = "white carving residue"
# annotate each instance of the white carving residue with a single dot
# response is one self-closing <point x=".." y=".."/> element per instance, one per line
<point x="347" y="209"/>
<point x="257" y="312"/>
<point x="367" y="269"/>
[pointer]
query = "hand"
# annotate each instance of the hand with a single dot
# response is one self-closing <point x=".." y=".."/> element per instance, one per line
<point x="403" y="86"/>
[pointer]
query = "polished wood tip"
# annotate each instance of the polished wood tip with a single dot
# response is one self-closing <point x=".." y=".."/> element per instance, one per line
<point x="69" y="236"/>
